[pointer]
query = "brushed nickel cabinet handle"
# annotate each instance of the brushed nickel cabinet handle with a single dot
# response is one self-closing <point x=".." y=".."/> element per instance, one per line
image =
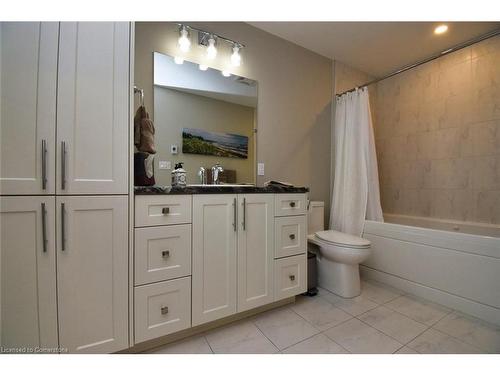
<point x="165" y="210"/>
<point x="63" y="165"/>
<point x="63" y="227"/>
<point x="44" y="164"/>
<point x="292" y="204"/>
<point x="164" y="310"/>
<point x="235" y="218"/>
<point x="244" y="213"/>
<point x="292" y="277"/>
<point x="165" y="253"/>
<point x="44" y="228"/>
<point x="292" y="236"/>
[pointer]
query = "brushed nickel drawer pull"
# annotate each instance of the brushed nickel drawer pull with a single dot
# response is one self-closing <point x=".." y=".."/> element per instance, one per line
<point x="292" y="204"/>
<point x="165" y="253"/>
<point x="292" y="277"/>
<point x="164" y="310"/>
<point x="235" y="217"/>
<point x="244" y="213"/>
<point x="165" y="210"/>
<point x="292" y="236"/>
<point x="63" y="165"/>
<point x="63" y="227"/>
<point x="44" y="228"/>
<point x="44" y="164"/>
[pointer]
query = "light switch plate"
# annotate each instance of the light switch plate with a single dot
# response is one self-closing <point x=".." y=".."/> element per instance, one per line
<point x="260" y="169"/>
<point x="164" y="164"/>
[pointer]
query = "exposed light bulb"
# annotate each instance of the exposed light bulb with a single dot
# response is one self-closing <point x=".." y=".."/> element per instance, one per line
<point x="211" y="50"/>
<point x="441" y="29"/>
<point x="236" y="57"/>
<point x="178" y="60"/>
<point x="184" y="42"/>
<point x="225" y="73"/>
<point x="203" y="67"/>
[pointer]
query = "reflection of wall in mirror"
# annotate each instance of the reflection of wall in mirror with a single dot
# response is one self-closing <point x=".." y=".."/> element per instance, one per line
<point x="176" y="110"/>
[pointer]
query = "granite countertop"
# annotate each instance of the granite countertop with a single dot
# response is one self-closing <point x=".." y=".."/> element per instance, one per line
<point x="216" y="189"/>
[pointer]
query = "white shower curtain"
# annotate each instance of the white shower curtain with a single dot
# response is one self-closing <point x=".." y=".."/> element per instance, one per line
<point x="356" y="193"/>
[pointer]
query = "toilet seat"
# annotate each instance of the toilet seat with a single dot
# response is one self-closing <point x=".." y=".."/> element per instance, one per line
<point x="343" y="239"/>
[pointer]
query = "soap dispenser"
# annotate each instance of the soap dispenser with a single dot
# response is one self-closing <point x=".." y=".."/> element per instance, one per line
<point x="179" y="175"/>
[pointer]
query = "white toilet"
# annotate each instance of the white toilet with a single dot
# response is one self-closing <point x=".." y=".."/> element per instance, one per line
<point x="339" y="254"/>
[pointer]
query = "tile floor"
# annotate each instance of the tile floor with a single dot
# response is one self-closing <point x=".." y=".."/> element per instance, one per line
<point x="381" y="320"/>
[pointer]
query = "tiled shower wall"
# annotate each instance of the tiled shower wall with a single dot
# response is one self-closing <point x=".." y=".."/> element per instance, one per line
<point x="437" y="130"/>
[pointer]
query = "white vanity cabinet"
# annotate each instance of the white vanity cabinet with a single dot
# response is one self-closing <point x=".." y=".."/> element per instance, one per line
<point x="64" y="146"/>
<point x="92" y="273"/>
<point x="204" y="257"/>
<point x="92" y="112"/>
<point x="28" y="79"/>
<point x="255" y="250"/>
<point x="75" y="75"/>
<point x="162" y="264"/>
<point x="28" y="272"/>
<point x="215" y="226"/>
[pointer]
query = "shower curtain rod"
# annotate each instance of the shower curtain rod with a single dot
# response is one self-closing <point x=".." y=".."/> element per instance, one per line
<point x="433" y="57"/>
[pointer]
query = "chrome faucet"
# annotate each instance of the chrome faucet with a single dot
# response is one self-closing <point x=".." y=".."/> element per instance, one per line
<point x="216" y="169"/>
<point x="202" y="174"/>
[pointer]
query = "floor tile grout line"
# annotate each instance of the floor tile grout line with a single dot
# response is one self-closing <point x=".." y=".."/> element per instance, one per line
<point x="316" y="334"/>
<point x="428" y="328"/>
<point x="385" y="334"/>
<point x="208" y="343"/>
<point x="456" y="338"/>
<point x="392" y="337"/>
<point x="261" y="331"/>
<point x="393" y="309"/>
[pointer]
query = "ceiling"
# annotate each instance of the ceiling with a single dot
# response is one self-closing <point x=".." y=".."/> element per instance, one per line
<point x="376" y="48"/>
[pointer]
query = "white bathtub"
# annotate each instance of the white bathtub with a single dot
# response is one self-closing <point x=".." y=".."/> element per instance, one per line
<point x="445" y="265"/>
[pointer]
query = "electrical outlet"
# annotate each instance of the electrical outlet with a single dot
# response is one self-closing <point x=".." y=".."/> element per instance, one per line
<point x="173" y="149"/>
<point x="162" y="164"/>
<point x="260" y="169"/>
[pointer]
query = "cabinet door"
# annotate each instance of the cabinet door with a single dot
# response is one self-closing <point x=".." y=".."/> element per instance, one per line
<point x="214" y="257"/>
<point x="255" y="250"/>
<point x="92" y="273"/>
<point x="28" y="71"/>
<point x="28" y="312"/>
<point x="92" y="109"/>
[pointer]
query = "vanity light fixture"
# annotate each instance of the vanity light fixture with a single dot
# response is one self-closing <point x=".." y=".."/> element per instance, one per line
<point x="440" y="29"/>
<point x="178" y="60"/>
<point x="211" y="49"/>
<point x="225" y="73"/>
<point x="236" y="57"/>
<point x="184" y="42"/>
<point x="211" y="42"/>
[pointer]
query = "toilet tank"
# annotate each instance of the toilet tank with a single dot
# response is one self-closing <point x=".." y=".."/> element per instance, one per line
<point x="316" y="217"/>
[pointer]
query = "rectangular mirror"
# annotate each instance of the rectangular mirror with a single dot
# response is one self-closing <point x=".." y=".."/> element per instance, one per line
<point x="202" y="118"/>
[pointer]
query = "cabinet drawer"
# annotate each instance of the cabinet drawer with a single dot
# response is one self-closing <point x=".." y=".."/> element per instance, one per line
<point x="290" y="236"/>
<point x="162" y="253"/>
<point x="290" y="276"/>
<point x="162" y="210"/>
<point x="290" y="204"/>
<point x="162" y="308"/>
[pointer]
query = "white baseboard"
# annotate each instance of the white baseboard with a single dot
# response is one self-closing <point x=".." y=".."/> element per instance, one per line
<point x="481" y="311"/>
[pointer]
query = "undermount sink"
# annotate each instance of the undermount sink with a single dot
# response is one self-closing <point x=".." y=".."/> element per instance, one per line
<point x="220" y="185"/>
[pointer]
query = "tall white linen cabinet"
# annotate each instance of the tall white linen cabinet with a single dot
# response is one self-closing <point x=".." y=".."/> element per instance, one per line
<point x="64" y="185"/>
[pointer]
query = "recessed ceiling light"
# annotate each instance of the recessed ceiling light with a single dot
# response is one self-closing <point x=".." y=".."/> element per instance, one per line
<point x="441" y="29"/>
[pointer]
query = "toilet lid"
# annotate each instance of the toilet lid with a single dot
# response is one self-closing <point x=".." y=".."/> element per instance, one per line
<point x="341" y="239"/>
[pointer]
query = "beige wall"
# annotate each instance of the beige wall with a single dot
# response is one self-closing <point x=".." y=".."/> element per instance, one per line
<point x="437" y="134"/>
<point x="295" y="89"/>
<point x="175" y="110"/>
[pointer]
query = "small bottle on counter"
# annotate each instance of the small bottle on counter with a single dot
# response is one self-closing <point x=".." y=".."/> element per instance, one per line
<point x="179" y="175"/>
